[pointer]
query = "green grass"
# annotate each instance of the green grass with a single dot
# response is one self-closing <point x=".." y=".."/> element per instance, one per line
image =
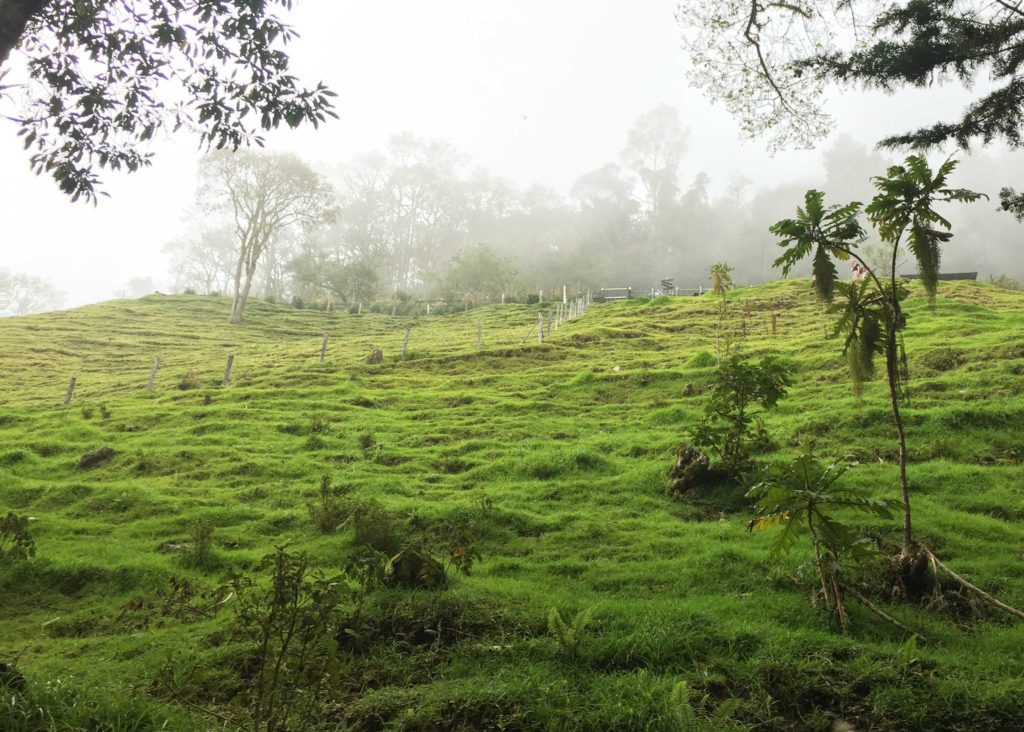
<point x="560" y="451"/>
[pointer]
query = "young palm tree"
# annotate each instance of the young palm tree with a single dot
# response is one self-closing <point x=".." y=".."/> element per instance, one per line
<point x="871" y="316"/>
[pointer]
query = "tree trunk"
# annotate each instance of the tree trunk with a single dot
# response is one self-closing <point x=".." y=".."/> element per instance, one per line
<point x="892" y="373"/>
<point x="14" y="18"/>
<point x="241" y="297"/>
<point x="239" y="302"/>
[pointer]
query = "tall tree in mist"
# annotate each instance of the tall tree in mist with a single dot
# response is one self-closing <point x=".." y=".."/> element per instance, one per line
<point x="402" y="212"/>
<point x="606" y="223"/>
<point x="653" y="152"/>
<point x="101" y="78"/>
<point x="263" y="195"/>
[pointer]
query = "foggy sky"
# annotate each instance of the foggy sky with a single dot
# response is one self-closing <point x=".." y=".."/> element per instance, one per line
<point x="534" y="91"/>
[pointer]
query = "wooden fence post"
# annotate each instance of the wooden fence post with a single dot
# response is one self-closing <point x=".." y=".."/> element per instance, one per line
<point x="405" y="343"/>
<point x="548" y="334"/>
<point x="227" y="371"/>
<point x="71" y="390"/>
<point x="152" y="374"/>
<point x="360" y="310"/>
<point x="540" y="328"/>
<point x="774" y="321"/>
<point x="323" y="348"/>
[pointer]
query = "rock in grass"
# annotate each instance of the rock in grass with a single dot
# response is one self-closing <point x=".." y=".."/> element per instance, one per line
<point x="96" y="457"/>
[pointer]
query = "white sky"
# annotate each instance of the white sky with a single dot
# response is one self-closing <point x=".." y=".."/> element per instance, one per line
<point x="534" y="90"/>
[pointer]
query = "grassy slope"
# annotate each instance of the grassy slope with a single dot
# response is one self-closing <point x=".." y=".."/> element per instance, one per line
<point x="562" y="449"/>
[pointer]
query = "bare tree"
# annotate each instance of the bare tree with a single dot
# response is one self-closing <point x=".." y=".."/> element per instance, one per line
<point x="264" y="195"/>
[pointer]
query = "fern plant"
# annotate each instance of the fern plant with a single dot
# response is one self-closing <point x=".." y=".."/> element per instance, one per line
<point x="569" y="635"/>
<point x="686" y="718"/>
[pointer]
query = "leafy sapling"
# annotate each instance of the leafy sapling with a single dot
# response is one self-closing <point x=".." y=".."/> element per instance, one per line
<point x="799" y="499"/>
<point x="741" y="392"/>
<point x="721" y="283"/>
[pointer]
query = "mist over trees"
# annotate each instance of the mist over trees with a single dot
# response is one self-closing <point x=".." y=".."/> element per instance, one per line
<point x="263" y="197"/>
<point x="23" y="294"/>
<point x="419" y="219"/>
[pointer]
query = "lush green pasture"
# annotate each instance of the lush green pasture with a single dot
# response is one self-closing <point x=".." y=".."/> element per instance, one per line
<point x="560" y="452"/>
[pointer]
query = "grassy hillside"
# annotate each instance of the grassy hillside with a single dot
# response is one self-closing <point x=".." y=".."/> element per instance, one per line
<point x="556" y="455"/>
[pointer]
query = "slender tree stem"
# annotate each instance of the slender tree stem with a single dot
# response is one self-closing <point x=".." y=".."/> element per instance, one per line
<point x="891" y="310"/>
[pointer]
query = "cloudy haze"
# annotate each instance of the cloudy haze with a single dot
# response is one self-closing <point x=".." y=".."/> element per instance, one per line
<point x="534" y="91"/>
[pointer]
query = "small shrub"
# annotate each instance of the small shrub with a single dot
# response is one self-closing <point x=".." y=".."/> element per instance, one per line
<point x="290" y="627"/>
<point x="14" y="456"/>
<point x="701" y="360"/>
<point x="16" y="542"/>
<point x="181" y="600"/>
<point x="189" y="381"/>
<point x="314" y="443"/>
<point x="730" y="426"/>
<point x="105" y="413"/>
<point x="88" y="412"/>
<point x="188" y="291"/>
<point x="298" y="302"/>
<point x="319" y="426"/>
<point x="942" y="359"/>
<point x="198" y="553"/>
<point x="1006" y="282"/>
<point x="366" y="440"/>
<point x="327" y="512"/>
<point x="799" y="498"/>
<point x="375" y="528"/>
